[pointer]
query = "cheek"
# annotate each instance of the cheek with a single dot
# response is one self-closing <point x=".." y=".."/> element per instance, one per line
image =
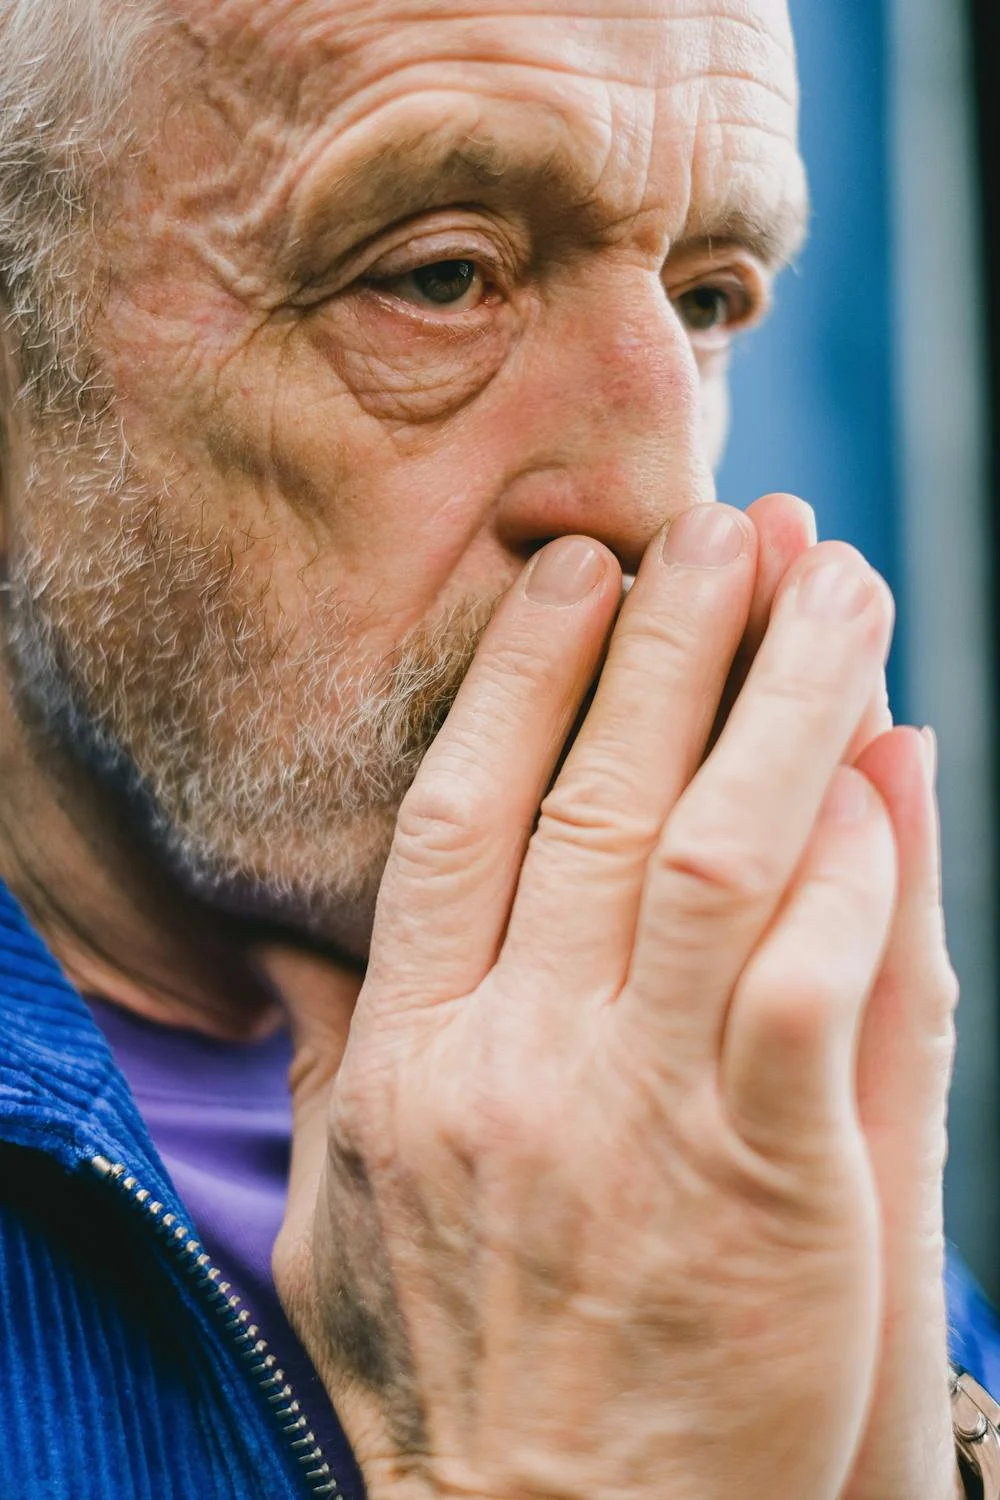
<point x="321" y="490"/>
<point x="398" y="498"/>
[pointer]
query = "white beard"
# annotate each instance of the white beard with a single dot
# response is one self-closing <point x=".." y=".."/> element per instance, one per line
<point x="266" y="772"/>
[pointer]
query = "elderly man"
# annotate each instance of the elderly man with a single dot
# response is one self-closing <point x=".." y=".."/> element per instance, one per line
<point x="353" y="350"/>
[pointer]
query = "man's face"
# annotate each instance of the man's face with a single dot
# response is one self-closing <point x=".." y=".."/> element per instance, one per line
<point x="400" y="291"/>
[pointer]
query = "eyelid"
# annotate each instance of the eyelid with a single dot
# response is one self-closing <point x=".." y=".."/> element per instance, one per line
<point x="403" y="262"/>
<point x="754" y="283"/>
<point x="461" y="232"/>
<point x="414" y="246"/>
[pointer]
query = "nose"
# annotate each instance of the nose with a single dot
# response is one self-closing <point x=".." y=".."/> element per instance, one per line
<point x="610" y="422"/>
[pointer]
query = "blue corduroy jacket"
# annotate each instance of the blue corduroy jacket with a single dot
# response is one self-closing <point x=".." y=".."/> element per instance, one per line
<point x="127" y="1370"/>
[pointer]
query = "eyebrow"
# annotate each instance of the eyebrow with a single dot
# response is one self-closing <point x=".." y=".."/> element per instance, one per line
<point x="412" y="173"/>
<point x="418" y="172"/>
<point x="774" y="237"/>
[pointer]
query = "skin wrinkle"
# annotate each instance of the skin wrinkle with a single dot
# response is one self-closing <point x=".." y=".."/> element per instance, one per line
<point x="462" y="171"/>
<point x="243" y="288"/>
<point x="310" y="39"/>
<point x="732" y="221"/>
<point x="373" y="464"/>
<point x="340" y="122"/>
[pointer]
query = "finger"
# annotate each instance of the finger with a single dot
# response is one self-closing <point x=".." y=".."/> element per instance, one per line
<point x="788" y="1056"/>
<point x="904" y="1067"/>
<point x="641" y="741"/>
<point x="736" y="837"/>
<point x="463" y="826"/>
<point x="905" y="1059"/>
<point x="877" y="718"/>
<point x="786" y="528"/>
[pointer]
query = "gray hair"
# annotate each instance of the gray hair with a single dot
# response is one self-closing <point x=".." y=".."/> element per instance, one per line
<point x="65" y="72"/>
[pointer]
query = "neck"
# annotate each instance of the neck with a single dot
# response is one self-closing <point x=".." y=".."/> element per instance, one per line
<point x="120" y="925"/>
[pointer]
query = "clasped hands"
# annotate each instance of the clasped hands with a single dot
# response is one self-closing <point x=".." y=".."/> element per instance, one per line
<point x="623" y="1176"/>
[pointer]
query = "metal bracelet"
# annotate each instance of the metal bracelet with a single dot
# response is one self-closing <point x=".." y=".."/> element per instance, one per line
<point x="975" y="1418"/>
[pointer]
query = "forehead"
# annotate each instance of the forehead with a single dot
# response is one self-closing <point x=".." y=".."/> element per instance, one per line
<point x="672" y="106"/>
<point x="334" y="28"/>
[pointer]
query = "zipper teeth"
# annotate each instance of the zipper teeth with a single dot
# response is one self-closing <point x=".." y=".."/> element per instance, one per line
<point x="237" y="1324"/>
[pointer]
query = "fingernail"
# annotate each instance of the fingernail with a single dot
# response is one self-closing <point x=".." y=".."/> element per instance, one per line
<point x="848" y="798"/>
<point x="835" y="591"/>
<point x="565" y="572"/>
<point x="930" y="740"/>
<point x="707" y="536"/>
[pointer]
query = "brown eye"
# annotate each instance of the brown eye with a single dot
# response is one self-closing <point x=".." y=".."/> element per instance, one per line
<point x="445" y="281"/>
<point x="455" y="285"/>
<point x="709" y="306"/>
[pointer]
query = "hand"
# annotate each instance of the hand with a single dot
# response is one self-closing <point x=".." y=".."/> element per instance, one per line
<point x="597" y="1209"/>
<point x="906" y="1054"/>
<point x="905" y="1064"/>
<point x="903" y="1076"/>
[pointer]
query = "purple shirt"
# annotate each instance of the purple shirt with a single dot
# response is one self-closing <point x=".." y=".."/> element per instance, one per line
<point x="220" y="1116"/>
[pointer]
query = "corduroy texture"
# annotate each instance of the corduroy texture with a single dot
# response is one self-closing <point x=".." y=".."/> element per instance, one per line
<point x="116" y="1380"/>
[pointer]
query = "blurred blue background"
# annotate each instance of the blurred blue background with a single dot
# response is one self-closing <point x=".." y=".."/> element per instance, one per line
<point x="865" y="393"/>
<point x="813" y="390"/>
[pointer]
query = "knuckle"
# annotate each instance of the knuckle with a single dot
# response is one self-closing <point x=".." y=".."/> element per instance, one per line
<point x="458" y="1127"/>
<point x="442" y="816"/>
<point x="595" y="805"/>
<point x="676" y="632"/>
<point x="520" y="662"/>
<point x="717" y="872"/>
<point x="431" y="1137"/>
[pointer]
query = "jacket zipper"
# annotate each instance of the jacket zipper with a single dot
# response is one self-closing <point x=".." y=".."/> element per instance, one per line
<point x="236" y="1323"/>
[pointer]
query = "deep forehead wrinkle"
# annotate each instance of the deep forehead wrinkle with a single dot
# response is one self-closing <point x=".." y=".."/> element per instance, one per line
<point x="303" y="51"/>
<point x="412" y="173"/>
<point x="309" y="20"/>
